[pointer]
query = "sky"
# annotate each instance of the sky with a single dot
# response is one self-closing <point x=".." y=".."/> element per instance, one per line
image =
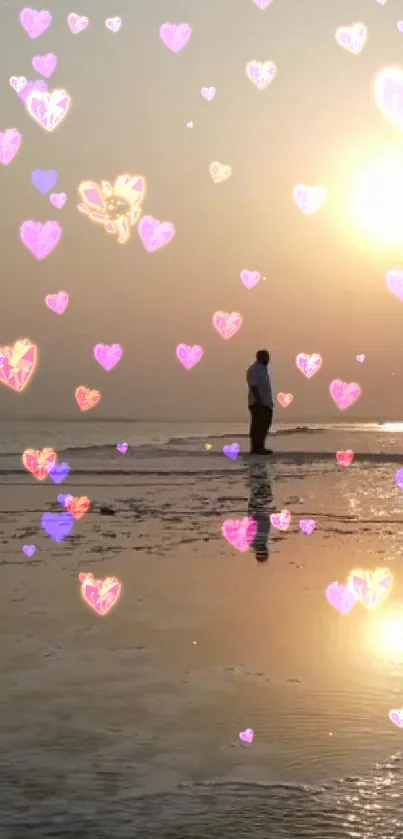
<point x="322" y="287"/>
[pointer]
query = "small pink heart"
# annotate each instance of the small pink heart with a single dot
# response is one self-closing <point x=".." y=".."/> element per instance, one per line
<point x="58" y="199"/>
<point x="250" y="278"/>
<point x="77" y="23"/>
<point x="122" y="448"/>
<point x="396" y="716"/>
<point x="45" y="64"/>
<point x="113" y="24"/>
<point x="341" y="597"/>
<point x="57" y="302"/>
<point x="247" y="735"/>
<point x="189" y="355"/>
<point x="309" y="364"/>
<point x="227" y="324"/>
<point x="307" y="525"/>
<point x="208" y="93"/>
<point x="18" y="83"/>
<point x="281" y="520"/>
<point x="360" y="358"/>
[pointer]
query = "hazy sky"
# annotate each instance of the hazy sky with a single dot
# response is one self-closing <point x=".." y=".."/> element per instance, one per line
<point x="315" y="123"/>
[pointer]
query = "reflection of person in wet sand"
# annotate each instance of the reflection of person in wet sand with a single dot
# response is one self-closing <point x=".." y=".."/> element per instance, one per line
<point x="260" y="506"/>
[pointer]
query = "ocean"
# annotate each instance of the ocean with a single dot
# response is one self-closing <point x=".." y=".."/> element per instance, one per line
<point x="156" y="753"/>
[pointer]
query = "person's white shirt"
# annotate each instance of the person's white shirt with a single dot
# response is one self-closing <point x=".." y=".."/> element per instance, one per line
<point x="257" y="375"/>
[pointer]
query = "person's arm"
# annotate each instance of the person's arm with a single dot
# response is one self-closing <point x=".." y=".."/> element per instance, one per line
<point x="253" y="386"/>
<point x="270" y="393"/>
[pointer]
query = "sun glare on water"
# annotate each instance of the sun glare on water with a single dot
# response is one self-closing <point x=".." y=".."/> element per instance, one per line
<point x="377" y="202"/>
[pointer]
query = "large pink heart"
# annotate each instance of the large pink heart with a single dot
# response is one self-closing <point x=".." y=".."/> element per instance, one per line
<point x="388" y="89"/>
<point x="189" y="356"/>
<point x="240" y="534"/>
<point x="100" y="595"/>
<point x="40" y="239"/>
<point x="10" y="142"/>
<point x="48" y="109"/>
<point x="17" y="364"/>
<point x="155" y="234"/>
<point x="344" y="394"/>
<point x="394" y="281"/>
<point x="227" y="324"/>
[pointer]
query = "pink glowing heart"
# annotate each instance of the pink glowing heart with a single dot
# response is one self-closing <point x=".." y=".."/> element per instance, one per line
<point x="227" y="324"/>
<point x="281" y="520"/>
<point x="394" y="281"/>
<point x="48" y="109"/>
<point x="113" y="24"/>
<point x="261" y="73"/>
<point x="57" y="302"/>
<point x="250" y="278"/>
<point x="344" y="394"/>
<point x="262" y="4"/>
<point x="360" y="358"/>
<point x="77" y="23"/>
<point x="189" y="355"/>
<point x="122" y="448"/>
<point x="58" y="199"/>
<point x="45" y="64"/>
<point x="308" y="364"/>
<point x="34" y="22"/>
<point x="388" y="93"/>
<point x="309" y="198"/>
<point x="396" y="716"/>
<point x="352" y="38"/>
<point x="155" y="234"/>
<point x="247" y="735"/>
<point x="175" y="35"/>
<point x="10" y="142"/>
<point x="307" y="525"/>
<point x="239" y="533"/>
<point x="341" y="597"/>
<point x="40" y="239"/>
<point x="18" y="83"/>
<point x="208" y="93"/>
<point x="108" y="355"/>
<point x="100" y="595"/>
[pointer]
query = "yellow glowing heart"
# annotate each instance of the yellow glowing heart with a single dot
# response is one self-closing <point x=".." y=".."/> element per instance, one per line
<point x="371" y="587"/>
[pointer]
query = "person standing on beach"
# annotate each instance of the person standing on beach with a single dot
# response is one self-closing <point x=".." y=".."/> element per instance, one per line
<point x="260" y="402"/>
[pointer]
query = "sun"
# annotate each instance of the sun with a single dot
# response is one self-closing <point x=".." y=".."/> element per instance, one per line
<point x="388" y="633"/>
<point x="377" y="201"/>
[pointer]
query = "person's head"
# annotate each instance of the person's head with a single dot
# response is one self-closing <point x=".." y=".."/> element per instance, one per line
<point x="263" y="357"/>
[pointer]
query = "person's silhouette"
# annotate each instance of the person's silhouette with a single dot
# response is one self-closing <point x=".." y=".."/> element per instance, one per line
<point x="259" y="507"/>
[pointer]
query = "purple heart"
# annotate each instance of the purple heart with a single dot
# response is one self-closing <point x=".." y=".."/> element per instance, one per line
<point x="29" y="550"/>
<point x="232" y="451"/>
<point x="64" y="499"/>
<point x="44" y="179"/>
<point x="399" y="478"/>
<point x="59" y="472"/>
<point x="307" y="525"/>
<point x="122" y="448"/>
<point x="30" y="86"/>
<point x="57" y="525"/>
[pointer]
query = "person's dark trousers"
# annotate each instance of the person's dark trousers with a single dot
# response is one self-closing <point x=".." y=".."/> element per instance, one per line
<point x="260" y="422"/>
